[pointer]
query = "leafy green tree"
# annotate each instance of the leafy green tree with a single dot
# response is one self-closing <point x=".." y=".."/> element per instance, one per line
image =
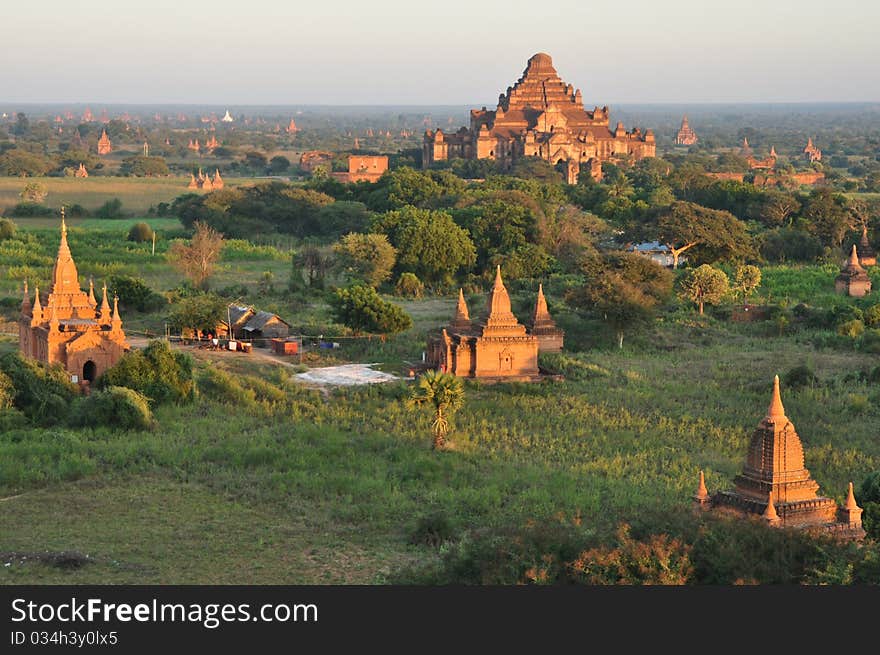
<point x="444" y="394"/>
<point x="141" y="166"/>
<point x="279" y="164"/>
<point x="746" y="279"/>
<point x="21" y="163"/>
<point x="790" y="245"/>
<point x="827" y="216"/>
<point x="778" y="208"/>
<point x="157" y="372"/>
<point x="705" y="284"/>
<point x="366" y="257"/>
<point x="110" y="209"/>
<point x="716" y="234"/>
<point x="624" y="290"/>
<point x="134" y="293"/>
<point x="204" y="312"/>
<point x="362" y="309"/>
<point x="42" y="393"/>
<point x="428" y="243"/>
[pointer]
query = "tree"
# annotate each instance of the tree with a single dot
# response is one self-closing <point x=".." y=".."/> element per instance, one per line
<point x="21" y="163"/>
<point x="444" y="393"/>
<point x="279" y="164"/>
<point x="34" y="192"/>
<point x="746" y="280"/>
<point x="362" y="309"/>
<point x="315" y="263"/>
<point x="777" y="208"/>
<point x="140" y="232"/>
<point x="159" y="373"/>
<point x="410" y="286"/>
<point x="203" y="312"/>
<point x="7" y="229"/>
<point x="685" y="225"/>
<point x="366" y="257"/>
<point x="196" y="261"/>
<point x="428" y="243"/>
<point x="624" y="289"/>
<point x="827" y="216"/>
<point x="141" y="166"/>
<point x="705" y="284"/>
<point x="134" y="293"/>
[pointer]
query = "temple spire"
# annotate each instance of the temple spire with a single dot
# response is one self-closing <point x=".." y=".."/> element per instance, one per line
<point x="541" y="311"/>
<point x="92" y="301"/>
<point x="702" y="492"/>
<point x="854" y="257"/>
<point x="776" y="412"/>
<point x="104" y="316"/>
<point x="851" y="499"/>
<point x="26" y="299"/>
<point x="116" y="321"/>
<point x="37" y="309"/>
<point x="770" y="514"/>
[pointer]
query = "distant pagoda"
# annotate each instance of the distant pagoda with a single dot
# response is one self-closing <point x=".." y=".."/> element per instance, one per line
<point x="853" y="279"/>
<point x="105" y="147"/>
<point x="867" y="254"/>
<point x="686" y="136"/>
<point x="775" y="485"/>
<point x="811" y="152"/>
<point x="543" y="326"/>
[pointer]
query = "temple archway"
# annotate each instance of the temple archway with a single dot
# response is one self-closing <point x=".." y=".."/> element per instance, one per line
<point x="90" y="371"/>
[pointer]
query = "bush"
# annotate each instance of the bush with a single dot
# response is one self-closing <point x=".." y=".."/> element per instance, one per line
<point x="852" y="329"/>
<point x="135" y="294"/>
<point x="31" y="209"/>
<point x="872" y="316"/>
<point x="409" y="286"/>
<point x="433" y="530"/>
<point x="362" y="309"/>
<point x="117" y="407"/>
<point x="799" y="377"/>
<point x="844" y="314"/>
<point x="140" y="232"/>
<point x="110" y="209"/>
<point x="7" y="229"/>
<point x="42" y="392"/>
<point x="157" y="372"/>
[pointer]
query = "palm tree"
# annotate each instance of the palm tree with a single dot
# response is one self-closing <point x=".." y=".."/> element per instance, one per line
<point x="445" y="393"/>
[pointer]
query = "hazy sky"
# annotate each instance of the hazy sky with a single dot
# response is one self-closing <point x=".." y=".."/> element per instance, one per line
<point x="450" y="52"/>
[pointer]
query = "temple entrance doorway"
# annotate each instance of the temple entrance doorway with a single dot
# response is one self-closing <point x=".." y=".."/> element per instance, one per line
<point x="90" y="371"/>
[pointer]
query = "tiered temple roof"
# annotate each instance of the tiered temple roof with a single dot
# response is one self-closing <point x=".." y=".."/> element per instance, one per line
<point x="775" y="484"/>
<point x="686" y="135"/>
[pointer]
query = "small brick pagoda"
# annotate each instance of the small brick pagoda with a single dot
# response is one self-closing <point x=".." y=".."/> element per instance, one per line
<point x="67" y="326"/>
<point x="686" y="135"/>
<point x="496" y="348"/>
<point x="550" y="337"/>
<point x="775" y="485"/>
<point x="853" y="280"/>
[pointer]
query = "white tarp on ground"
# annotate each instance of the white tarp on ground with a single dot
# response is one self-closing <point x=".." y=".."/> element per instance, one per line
<point x="345" y="375"/>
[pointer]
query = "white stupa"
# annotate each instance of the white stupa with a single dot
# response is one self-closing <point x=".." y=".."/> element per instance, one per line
<point x="227" y="118"/>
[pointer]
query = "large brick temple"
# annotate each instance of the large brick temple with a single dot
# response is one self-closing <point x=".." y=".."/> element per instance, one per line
<point x="67" y="326"/>
<point x="775" y="485"/>
<point x="540" y="116"/>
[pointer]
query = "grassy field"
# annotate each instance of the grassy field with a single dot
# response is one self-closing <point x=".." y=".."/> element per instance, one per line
<point x="328" y="488"/>
<point x="137" y="194"/>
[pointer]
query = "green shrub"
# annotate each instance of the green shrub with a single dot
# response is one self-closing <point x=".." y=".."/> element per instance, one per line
<point x="140" y="232"/>
<point x="409" y="286"/>
<point x="852" y="329"/>
<point x="872" y="316"/>
<point x="7" y="229"/>
<point x="433" y="530"/>
<point x="841" y="314"/>
<point x="42" y="392"/>
<point x="110" y="209"/>
<point x="799" y="377"/>
<point x="157" y="372"/>
<point x="117" y="407"/>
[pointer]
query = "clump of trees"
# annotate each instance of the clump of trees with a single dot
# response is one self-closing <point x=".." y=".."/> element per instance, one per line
<point x="160" y="374"/>
<point x="366" y="257"/>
